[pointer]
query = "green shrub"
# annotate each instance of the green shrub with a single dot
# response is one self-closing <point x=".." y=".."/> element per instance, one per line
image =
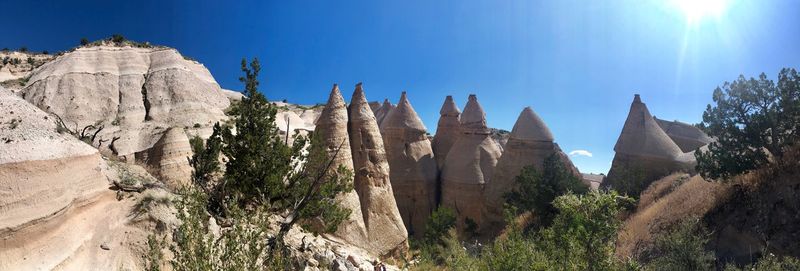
<point x="769" y="262"/>
<point x="84" y="41"/>
<point x="536" y="190"/>
<point x="117" y="38"/>
<point x="751" y="121"/>
<point x="682" y="248"/>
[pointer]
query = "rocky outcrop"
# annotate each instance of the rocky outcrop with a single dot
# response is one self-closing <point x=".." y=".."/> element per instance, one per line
<point x="413" y="170"/>
<point x="56" y="209"/>
<point x="135" y="93"/>
<point x="332" y="129"/>
<point x="385" y="230"/>
<point x="529" y="144"/>
<point x="382" y="111"/>
<point x="469" y="166"/>
<point x="170" y="157"/>
<point x="447" y="130"/>
<point x="644" y="153"/>
<point x="686" y="136"/>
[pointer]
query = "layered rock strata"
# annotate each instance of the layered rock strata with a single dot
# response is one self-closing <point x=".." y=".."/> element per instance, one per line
<point x="447" y="130"/>
<point x="644" y="152"/>
<point x="413" y="169"/>
<point x="469" y="166"/>
<point x="133" y="92"/>
<point x="386" y="234"/>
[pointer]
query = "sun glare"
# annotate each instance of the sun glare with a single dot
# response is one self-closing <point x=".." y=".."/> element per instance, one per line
<point x="697" y="10"/>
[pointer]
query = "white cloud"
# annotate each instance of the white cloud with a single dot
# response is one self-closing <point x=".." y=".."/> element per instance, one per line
<point x="580" y="153"/>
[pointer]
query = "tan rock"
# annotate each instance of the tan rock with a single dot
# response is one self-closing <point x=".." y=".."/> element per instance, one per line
<point x="412" y="165"/>
<point x="170" y="156"/>
<point x="644" y="152"/>
<point x="529" y="144"/>
<point x="382" y="111"/>
<point x="133" y="92"/>
<point x="56" y="208"/>
<point x="386" y="233"/>
<point x="686" y="136"/>
<point x="332" y="126"/>
<point x="469" y="166"/>
<point x="447" y="130"/>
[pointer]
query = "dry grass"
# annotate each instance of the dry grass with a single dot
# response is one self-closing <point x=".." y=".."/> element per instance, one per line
<point x="661" y="209"/>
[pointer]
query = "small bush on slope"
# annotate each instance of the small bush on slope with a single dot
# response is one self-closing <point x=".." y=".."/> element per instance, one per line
<point x="536" y="190"/>
<point x="683" y="248"/>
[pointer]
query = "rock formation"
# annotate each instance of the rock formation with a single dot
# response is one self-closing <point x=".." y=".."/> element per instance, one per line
<point x="529" y="144"/>
<point x="447" y="130"/>
<point x="170" y="156"/>
<point x="644" y="152"/>
<point x="374" y="106"/>
<point x="469" y="165"/>
<point x="412" y="165"/>
<point x="56" y="208"/>
<point x="382" y="111"/>
<point x="332" y="127"/>
<point x="385" y="230"/>
<point x="686" y="136"/>
<point x="132" y="92"/>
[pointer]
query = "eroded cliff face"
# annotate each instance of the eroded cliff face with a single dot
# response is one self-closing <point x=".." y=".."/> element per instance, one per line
<point x="136" y="94"/>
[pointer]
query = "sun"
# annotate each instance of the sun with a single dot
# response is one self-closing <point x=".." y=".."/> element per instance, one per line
<point x="697" y="10"/>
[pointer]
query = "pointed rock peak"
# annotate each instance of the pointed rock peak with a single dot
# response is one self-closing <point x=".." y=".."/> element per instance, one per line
<point x="386" y="103"/>
<point x="359" y="108"/>
<point x="641" y="135"/>
<point x="334" y="110"/>
<point x="473" y="117"/>
<point x="636" y="98"/>
<point x="449" y="107"/>
<point x="403" y="116"/>
<point x="530" y="126"/>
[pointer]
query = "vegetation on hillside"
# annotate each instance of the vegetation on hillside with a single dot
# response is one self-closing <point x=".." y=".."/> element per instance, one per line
<point x="250" y="181"/>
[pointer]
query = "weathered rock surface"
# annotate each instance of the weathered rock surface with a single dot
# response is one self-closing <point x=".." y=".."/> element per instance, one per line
<point x="56" y="209"/>
<point x="386" y="233"/>
<point x="383" y="111"/>
<point x="136" y="93"/>
<point x="529" y="144"/>
<point x="15" y="66"/>
<point x="170" y="156"/>
<point x="332" y="127"/>
<point x="412" y="165"/>
<point x="469" y="166"/>
<point x="644" y="152"/>
<point x="686" y="136"/>
<point x="447" y="130"/>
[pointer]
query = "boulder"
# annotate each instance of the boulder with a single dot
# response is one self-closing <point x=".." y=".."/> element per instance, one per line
<point x="529" y="144"/>
<point x="413" y="170"/>
<point x="170" y="157"/>
<point x="469" y="166"/>
<point x="134" y="93"/>
<point x="447" y="130"/>
<point x="644" y="153"/>
<point x="332" y="128"/>
<point x="386" y="233"/>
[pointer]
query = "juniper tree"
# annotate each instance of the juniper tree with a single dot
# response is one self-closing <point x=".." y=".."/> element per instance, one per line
<point x="751" y="120"/>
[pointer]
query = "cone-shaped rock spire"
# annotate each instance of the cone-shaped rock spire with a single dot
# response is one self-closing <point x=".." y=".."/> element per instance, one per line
<point x="644" y="152"/>
<point x="332" y="128"/>
<point x="385" y="230"/>
<point x="469" y="165"/>
<point x="169" y="155"/>
<point x="447" y="130"/>
<point x="412" y="167"/>
<point x="383" y="111"/>
<point x="474" y="118"/>
<point x="529" y="144"/>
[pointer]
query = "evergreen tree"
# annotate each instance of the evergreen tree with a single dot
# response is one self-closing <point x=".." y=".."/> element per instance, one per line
<point x="752" y="119"/>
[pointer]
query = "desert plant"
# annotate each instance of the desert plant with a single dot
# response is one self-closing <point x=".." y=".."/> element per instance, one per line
<point x="23" y="49"/>
<point x="117" y="38"/>
<point x="769" y="262"/>
<point x="536" y="190"/>
<point x="84" y="41"/>
<point x="751" y="120"/>
<point x="683" y="247"/>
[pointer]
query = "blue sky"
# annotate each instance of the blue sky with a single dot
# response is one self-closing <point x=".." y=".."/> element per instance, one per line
<point x="576" y="63"/>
